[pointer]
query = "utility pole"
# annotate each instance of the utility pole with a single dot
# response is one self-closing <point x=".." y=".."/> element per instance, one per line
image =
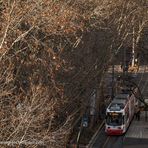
<point x="78" y="137"/>
<point x="133" y="48"/>
<point x="146" y="114"/>
<point x="125" y="64"/>
<point x="113" y="74"/>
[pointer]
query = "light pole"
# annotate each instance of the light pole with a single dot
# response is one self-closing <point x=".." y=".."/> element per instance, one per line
<point x="133" y="48"/>
<point x="113" y="74"/>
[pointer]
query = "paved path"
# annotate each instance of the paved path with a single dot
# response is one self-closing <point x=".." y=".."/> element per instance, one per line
<point x="137" y="134"/>
<point x="138" y="129"/>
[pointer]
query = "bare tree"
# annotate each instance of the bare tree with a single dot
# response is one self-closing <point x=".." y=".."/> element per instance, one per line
<point x="51" y="53"/>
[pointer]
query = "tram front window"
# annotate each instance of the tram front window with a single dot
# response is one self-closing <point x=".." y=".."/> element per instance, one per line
<point x="114" y="119"/>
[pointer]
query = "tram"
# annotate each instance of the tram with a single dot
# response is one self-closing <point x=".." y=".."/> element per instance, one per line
<point x="120" y="112"/>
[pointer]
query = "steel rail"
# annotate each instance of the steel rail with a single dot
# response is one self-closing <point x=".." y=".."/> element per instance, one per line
<point x="94" y="137"/>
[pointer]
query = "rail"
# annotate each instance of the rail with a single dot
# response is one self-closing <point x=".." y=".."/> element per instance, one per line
<point x="93" y="139"/>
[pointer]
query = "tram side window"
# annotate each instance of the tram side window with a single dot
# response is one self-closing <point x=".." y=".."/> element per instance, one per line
<point x="126" y="116"/>
<point x="123" y="119"/>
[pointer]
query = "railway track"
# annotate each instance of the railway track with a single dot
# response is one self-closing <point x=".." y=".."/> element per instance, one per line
<point x="102" y="140"/>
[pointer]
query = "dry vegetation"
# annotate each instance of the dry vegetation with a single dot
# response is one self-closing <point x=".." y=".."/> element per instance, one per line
<point x="44" y="76"/>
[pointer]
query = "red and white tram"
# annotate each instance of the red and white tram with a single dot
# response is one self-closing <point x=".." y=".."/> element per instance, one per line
<point x="120" y="113"/>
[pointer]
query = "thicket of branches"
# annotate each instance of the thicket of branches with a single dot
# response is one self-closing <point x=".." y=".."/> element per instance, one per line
<point x="51" y="52"/>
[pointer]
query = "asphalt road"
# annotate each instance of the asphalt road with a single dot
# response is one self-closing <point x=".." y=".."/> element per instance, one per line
<point x="104" y="141"/>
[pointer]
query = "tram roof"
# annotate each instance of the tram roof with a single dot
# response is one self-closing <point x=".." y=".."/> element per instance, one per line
<point x="118" y="102"/>
<point x="122" y="96"/>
